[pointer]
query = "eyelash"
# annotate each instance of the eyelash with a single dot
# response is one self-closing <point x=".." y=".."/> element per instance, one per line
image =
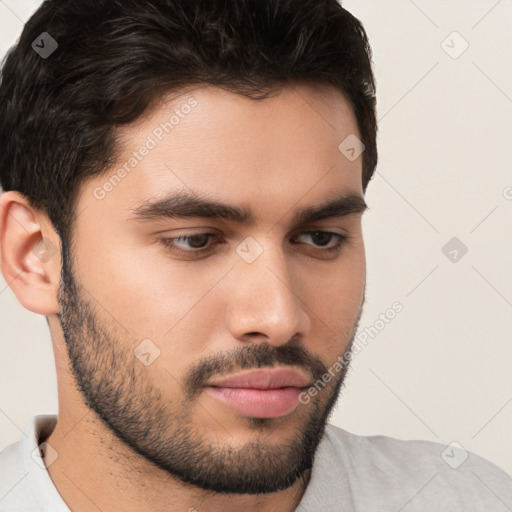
<point x="170" y="243"/>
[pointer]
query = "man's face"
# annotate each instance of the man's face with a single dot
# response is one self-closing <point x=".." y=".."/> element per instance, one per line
<point x="149" y="325"/>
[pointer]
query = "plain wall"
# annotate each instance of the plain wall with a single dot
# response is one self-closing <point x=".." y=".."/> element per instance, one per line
<point x="442" y="368"/>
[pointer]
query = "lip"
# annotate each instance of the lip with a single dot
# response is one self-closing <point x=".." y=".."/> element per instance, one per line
<point x="258" y="403"/>
<point x="260" y="393"/>
<point x="263" y="379"/>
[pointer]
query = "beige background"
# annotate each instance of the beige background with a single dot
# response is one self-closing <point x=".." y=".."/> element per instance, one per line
<point x="442" y="368"/>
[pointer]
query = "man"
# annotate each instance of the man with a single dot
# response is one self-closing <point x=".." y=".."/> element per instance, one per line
<point x="183" y="185"/>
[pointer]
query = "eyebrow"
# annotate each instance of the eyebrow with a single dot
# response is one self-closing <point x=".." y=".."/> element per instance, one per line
<point x="183" y="205"/>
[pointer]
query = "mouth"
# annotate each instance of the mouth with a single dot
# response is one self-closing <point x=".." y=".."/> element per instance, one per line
<point x="260" y="393"/>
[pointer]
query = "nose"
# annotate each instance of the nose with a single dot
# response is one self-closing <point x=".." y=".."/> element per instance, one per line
<point x="266" y="301"/>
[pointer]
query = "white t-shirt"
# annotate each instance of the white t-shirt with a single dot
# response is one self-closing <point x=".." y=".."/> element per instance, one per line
<point x="351" y="473"/>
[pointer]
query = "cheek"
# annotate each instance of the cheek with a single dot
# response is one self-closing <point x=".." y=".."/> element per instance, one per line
<point x="148" y="294"/>
<point x="143" y="297"/>
<point x="338" y="287"/>
<point x="335" y="298"/>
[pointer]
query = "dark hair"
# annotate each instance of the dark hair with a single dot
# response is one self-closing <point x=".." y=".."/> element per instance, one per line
<point x="116" y="58"/>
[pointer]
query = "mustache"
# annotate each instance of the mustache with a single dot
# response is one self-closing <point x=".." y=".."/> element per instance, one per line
<point x="250" y="357"/>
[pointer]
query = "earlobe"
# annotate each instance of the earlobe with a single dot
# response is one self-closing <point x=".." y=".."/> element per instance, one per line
<point x="29" y="258"/>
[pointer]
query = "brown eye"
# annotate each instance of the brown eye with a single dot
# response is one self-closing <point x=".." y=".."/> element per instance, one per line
<point x="322" y="239"/>
<point x="197" y="243"/>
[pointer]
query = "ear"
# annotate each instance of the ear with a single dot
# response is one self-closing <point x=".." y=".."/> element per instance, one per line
<point x="29" y="254"/>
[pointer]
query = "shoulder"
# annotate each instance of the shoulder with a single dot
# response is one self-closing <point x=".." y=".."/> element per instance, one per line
<point x="13" y="480"/>
<point x="442" y="476"/>
<point x="25" y="484"/>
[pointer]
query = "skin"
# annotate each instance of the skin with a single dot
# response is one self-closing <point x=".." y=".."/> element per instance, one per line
<point x="138" y="437"/>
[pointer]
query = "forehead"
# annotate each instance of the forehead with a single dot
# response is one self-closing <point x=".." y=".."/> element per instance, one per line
<point x="227" y="146"/>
